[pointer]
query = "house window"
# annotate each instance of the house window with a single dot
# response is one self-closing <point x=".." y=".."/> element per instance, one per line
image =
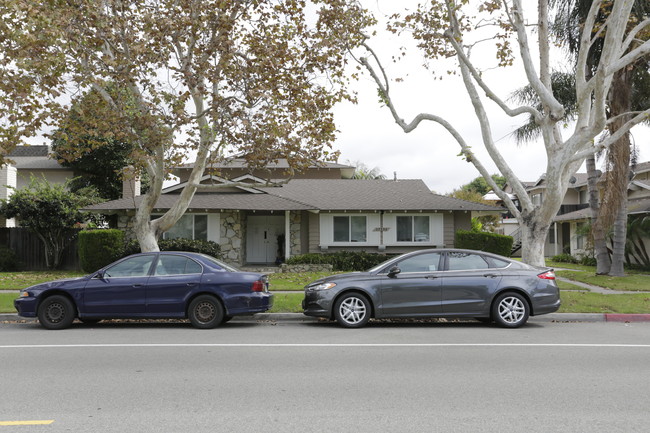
<point x="584" y="198"/>
<point x="413" y="229"/>
<point x="189" y="227"/>
<point x="350" y="229"/>
<point x="537" y="199"/>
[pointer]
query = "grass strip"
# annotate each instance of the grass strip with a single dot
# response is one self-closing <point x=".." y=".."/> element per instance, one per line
<point x="631" y="282"/>
<point x="287" y="303"/>
<point x="585" y="302"/>
<point x="295" y="281"/>
<point x="7" y="302"/>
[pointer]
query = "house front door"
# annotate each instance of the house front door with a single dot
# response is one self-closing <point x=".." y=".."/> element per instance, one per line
<point x="262" y="238"/>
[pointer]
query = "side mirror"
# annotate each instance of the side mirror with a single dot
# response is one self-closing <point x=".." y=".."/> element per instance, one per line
<point x="394" y="271"/>
<point x="99" y="275"/>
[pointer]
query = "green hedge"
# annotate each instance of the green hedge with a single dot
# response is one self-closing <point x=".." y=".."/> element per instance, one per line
<point x="8" y="260"/>
<point x="484" y="241"/>
<point x="98" y="248"/>
<point x="342" y="260"/>
<point x="192" y="245"/>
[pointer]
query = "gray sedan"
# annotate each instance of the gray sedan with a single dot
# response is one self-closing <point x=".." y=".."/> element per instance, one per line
<point x="448" y="283"/>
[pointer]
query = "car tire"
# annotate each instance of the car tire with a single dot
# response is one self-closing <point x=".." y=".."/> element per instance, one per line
<point x="205" y="312"/>
<point x="352" y="310"/>
<point x="510" y="310"/>
<point x="56" y="312"/>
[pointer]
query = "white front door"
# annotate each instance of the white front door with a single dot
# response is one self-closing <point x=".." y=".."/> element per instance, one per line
<point x="262" y="238"/>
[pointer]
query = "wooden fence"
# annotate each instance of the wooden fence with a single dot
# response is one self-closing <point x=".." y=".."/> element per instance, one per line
<point x="30" y="251"/>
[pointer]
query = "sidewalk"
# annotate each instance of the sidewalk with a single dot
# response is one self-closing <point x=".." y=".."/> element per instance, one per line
<point x="299" y="317"/>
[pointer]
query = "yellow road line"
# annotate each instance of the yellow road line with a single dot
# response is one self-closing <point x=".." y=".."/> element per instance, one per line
<point x="35" y="422"/>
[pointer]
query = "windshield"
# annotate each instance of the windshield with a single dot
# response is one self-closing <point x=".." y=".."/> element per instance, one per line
<point x="221" y="264"/>
<point x="381" y="265"/>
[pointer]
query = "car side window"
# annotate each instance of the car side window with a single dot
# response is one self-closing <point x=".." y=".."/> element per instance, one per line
<point x="466" y="261"/>
<point x="133" y="267"/>
<point x="176" y="265"/>
<point x="499" y="263"/>
<point x="421" y="263"/>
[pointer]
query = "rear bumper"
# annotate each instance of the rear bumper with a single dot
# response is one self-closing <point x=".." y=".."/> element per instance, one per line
<point x="546" y="308"/>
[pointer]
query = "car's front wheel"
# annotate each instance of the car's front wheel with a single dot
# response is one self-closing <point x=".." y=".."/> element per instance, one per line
<point x="56" y="312"/>
<point x="510" y="310"/>
<point x="352" y="310"/>
<point x="205" y="312"/>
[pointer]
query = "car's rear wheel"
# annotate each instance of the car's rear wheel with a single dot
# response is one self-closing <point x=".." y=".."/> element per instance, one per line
<point x="205" y="312"/>
<point x="352" y="310"/>
<point x="56" y="312"/>
<point x="510" y="310"/>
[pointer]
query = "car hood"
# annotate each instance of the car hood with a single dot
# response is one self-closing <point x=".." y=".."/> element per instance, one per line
<point x="54" y="284"/>
<point x="339" y="277"/>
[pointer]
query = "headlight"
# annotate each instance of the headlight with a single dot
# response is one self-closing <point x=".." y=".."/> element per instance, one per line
<point x="323" y="286"/>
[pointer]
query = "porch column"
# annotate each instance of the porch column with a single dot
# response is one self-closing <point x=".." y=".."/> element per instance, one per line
<point x="287" y="234"/>
<point x="555" y="235"/>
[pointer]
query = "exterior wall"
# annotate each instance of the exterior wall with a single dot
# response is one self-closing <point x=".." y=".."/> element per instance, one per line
<point x="304" y="232"/>
<point x="572" y="196"/>
<point x="52" y="176"/>
<point x="8" y="175"/>
<point x="314" y="233"/>
<point x="295" y="233"/>
<point x="461" y="221"/>
<point x="232" y="232"/>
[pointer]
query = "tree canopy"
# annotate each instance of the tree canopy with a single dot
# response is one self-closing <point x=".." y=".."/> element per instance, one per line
<point x="198" y="77"/>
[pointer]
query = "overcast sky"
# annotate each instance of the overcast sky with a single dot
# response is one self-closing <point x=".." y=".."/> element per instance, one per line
<point x="370" y="135"/>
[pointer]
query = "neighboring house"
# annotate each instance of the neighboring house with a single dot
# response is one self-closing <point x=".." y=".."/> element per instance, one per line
<point x="29" y="161"/>
<point x="319" y="210"/>
<point x="565" y="234"/>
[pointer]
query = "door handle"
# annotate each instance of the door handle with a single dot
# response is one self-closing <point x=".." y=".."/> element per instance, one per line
<point x="490" y="275"/>
<point x="191" y="284"/>
<point x="431" y="277"/>
<point x="137" y="286"/>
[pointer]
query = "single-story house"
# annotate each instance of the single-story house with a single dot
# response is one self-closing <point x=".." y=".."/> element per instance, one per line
<point x="317" y="211"/>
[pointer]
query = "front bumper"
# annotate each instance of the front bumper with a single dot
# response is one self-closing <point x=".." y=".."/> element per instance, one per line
<point x="26" y="307"/>
<point x="318" y="303"/>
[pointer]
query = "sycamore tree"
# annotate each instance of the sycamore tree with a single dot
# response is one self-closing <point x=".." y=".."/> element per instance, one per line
<point x="455" y="29"/>
<point x="193" y="77"/>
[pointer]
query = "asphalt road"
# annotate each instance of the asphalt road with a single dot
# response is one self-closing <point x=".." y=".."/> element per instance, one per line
<point x="317" y="377"/>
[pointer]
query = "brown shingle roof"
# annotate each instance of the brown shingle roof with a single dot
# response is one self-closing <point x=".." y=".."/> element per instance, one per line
<point x="321" y="194"/>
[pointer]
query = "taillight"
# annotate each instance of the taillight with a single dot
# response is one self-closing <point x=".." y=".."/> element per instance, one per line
<point x="548" y="275"/>
<point x="258" y="286"/>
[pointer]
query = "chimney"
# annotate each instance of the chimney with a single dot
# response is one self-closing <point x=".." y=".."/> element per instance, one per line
<point x="130" y="183"/>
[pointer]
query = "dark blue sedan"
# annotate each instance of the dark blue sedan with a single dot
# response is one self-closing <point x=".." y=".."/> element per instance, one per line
<point x="150" y="286"/>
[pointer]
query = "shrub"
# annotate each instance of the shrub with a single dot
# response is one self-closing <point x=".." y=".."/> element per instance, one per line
<point x="8" y="260"/>
<point x="342" y="260"/>
<point x="588" y="260"/>
<point x="484" y="241"/>
<point x="98" y="248"/>
<point x="564" y="258"/>
<point x="180" y="244"/>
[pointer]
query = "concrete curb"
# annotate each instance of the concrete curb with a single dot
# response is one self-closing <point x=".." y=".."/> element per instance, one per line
<point x="299" y="317"/>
